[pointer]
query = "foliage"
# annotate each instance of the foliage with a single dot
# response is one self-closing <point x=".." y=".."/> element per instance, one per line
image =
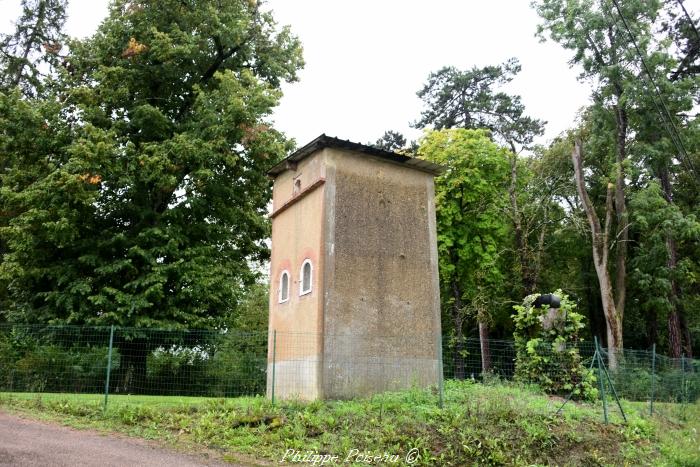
<point x="475" y="99"/>
<point x="137" y="188"/>
<point x="640" y="134"/>
<point x="391" y="141"/>
<point x="479" y="425"/>
<point x="468" y="99"/>
<point x="74" y="360"/>
<point x="469" y="200"/>
<point x="651" y="277"/>
<point x="33" y="46"/>
<point x="31" y="364"/>
<point x="546" y="348"/>
<point x="671" y="384"/>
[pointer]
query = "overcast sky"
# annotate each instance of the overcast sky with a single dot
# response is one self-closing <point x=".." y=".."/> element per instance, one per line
<point x="365" y="60"/>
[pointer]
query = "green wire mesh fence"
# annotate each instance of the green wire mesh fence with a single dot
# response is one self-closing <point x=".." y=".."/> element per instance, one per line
<point x="113" y="361"/>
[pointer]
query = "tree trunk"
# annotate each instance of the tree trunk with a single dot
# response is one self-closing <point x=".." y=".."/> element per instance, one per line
<point x="675" y="317"/>
<point x="457" y="357"/>
<point x="41" y="14"/>
<point x="528" y="264"/>
<point x="621" y="213"/>
<point x="521" y="246"/>
<point x="485" y="349"/>
<point x="686" y="335"/>
<point x="674" y="334"/>
<point x="537" y="267"/>
<point x="133" y="356"/>
<point x="600" y="242"/>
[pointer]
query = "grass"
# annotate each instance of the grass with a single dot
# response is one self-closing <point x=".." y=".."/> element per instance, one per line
<point x="480" y="424"/>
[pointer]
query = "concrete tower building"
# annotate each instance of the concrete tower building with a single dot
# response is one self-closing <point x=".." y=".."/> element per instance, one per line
<point x="354" y="295"/>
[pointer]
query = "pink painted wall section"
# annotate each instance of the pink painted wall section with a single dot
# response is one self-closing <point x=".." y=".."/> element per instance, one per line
<point x="297" y="236"/>
<point x="306" y="173"/>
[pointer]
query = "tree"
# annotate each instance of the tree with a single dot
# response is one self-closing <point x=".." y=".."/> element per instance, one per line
<point x="153" y="211"/>
<point x="680" y="94"/>
<point x="391" y="141"/>
<point x="27" y="57"/>
<point x="600" y="239"/>
<point x="26" y="54"/>
<point x="655" y="275"/>
<point x="154" y="208"/>
<point x="470" y="99"/>
<point x="471" y="228"/>
<point x="596" y="35"/>
<point x="644" y="87"/>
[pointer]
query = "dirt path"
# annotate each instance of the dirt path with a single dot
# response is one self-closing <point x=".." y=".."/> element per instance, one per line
<point x="30" y="443"/>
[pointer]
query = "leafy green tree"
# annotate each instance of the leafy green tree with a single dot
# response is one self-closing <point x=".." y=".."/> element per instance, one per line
<point x="654" y="273"/>
<point x="33" y="141"/>
<point x="472" y="99"/>
<point x="470" y="199"/>
<point x="635" y="129"/>
<point x="28" y="57"/>
<point x="596" y="34"/>
<point x="154" y="208"/>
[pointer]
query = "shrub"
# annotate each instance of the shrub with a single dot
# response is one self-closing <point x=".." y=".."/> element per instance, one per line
<point x="29" y="364"/>
<point x="546" y="348"/>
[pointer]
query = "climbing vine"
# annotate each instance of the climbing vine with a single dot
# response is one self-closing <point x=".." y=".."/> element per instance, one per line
<point x="546" y="346"/>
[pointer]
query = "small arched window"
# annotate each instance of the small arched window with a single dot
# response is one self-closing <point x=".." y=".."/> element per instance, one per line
<point x="306" y="276"/>
<point x="284" y="287"/>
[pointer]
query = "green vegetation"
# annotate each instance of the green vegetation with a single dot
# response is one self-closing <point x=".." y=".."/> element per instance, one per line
<point x="132" y="181"/>
<point x="546" y="346"/>
<point x="133" y="193"/>
<point x="75" y="359"/>
<point x="469" y="199"/>
<point x="483" y="424"/>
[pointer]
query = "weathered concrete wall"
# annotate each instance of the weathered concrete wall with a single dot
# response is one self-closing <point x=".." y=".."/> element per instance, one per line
<point x="296" y="229"/>
<point x="381" y="313"/>
<point x="372" y="321"/>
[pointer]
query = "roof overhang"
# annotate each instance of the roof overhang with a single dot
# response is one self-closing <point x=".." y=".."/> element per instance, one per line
<point x="324" y="141"/>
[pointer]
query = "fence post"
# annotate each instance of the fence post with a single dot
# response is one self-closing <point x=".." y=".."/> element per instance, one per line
<point x="440" y="371"/>
<point x="109" y="365"/>
<point x="653" y="377"/>
<point x="274" y="363"/>
<point x="600" y="380"/>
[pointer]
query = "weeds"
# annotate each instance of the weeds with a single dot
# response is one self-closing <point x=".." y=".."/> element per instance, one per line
<point x="481" y="424"/>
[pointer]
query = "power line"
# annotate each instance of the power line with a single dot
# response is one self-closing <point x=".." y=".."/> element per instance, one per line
<point x="690" y="20"/>
<point x="666" y="116"/>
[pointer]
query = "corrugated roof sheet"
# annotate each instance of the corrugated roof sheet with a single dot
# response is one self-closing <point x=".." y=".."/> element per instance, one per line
<point x="324" y="141"/>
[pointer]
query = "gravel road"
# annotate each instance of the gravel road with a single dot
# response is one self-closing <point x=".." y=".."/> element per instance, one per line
<point x="30" y="443"/>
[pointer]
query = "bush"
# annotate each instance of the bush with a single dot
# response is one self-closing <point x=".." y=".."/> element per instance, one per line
<point x="28" y="364"/>
<point x="546" y="348"/>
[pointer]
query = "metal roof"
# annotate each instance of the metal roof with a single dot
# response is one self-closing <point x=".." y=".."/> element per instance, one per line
<point x="324" y="141"/>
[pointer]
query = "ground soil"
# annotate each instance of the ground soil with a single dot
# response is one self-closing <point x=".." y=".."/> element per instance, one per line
<point x="25" y="442"/>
